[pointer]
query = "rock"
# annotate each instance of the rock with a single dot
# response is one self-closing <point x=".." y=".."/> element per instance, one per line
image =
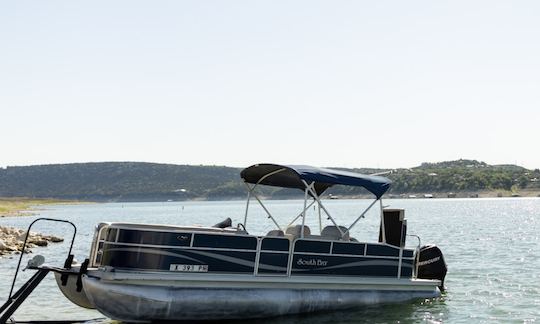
<point x="3" y="245"/>
<point x="12" y="240"/>
<point x="6" y="247"/>
<point x="40" y="242"/>
<point x="21" y="236"/>
<point x="55" y="239"/>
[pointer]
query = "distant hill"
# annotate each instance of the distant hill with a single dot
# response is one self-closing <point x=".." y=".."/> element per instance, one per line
<point x="138" y="181"/>
<point x="464" y="175"/>
<point x="122" y="181"/>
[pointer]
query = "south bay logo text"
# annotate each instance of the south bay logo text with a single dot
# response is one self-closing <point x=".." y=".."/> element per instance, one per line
<point x="312" y="262"/>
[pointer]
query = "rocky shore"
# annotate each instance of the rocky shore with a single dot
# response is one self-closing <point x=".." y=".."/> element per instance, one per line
<point x="12" y="239"/>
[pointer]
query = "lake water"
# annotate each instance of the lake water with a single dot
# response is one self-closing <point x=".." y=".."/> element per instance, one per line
<point x="491" y="246"/>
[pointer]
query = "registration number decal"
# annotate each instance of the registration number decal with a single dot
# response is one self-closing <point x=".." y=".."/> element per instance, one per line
<point x="189" y="267"/>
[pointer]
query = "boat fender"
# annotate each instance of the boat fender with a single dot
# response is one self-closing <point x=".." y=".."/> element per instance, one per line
<point x="82" y="270"/>
<point x="67" y="265"/>
<point x="431" y="264"/>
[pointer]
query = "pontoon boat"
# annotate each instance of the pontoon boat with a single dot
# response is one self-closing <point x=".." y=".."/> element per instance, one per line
<point x="142" y="272"/>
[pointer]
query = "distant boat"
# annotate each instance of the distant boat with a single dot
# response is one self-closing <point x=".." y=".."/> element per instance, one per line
<point x="428" y="195"/>
<point x="451" y="195"/>
<point x="412" y="196"/>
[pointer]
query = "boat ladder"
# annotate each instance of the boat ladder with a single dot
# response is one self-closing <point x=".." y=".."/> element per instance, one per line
<point x="16" y="299"/>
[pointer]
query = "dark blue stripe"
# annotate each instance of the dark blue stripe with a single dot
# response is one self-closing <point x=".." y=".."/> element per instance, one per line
<point x="382" y="250"/>
<point x="408" y="253"/>
<point x="153" y="238"/>
<point x="406" y="269"/>
<point x="275" y="244"/>
<point x="126" y="257"/>
<point x="225" y="241"/>
<point x="325" y="265"/>
<point x="348" y="248"/>
<point x="273" y="259"/>
<point x="312" y="246"/>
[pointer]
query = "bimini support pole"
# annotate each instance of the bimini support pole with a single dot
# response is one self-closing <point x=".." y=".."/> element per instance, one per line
<point x="320" y="221"/>
<point x="361" y="216"/>
<point x="316" y="197"/>
<point x="267" y="211"/>
<point x="247" y="204"/>
<point x="301" y="213"/>
<point x="251" y="193"/>
<point x="304" y="212"/>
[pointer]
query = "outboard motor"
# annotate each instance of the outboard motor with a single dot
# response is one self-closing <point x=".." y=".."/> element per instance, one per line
<point x="224" y="224"/>
<point x="431" y="264"/>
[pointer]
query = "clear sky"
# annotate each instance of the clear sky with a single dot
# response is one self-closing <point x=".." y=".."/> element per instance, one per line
<point x="327" y="83"/>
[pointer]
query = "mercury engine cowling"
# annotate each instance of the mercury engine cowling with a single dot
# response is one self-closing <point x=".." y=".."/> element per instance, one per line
<point x="431" y="264"/>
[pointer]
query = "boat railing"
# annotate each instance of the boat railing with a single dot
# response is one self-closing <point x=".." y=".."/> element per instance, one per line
<point x="14" y="300"/>
<point x="96" y="250"/>
<point x="416" y="253"/>
<point x="111" y="233"/>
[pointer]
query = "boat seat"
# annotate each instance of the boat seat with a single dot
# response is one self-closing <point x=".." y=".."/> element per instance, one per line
<point x="332" y="232"/>
<point x="278" y="233"/>
<point x="294" y="232"/>
<point x="227" y="222"/>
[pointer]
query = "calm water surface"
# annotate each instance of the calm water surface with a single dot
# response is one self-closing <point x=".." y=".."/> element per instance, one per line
<point x="491" y="246"/>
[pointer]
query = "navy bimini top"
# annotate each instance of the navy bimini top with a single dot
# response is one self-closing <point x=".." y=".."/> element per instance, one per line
<point x="291" y="176"/>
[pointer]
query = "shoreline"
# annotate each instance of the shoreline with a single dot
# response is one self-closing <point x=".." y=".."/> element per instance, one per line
<point x="23" y="206"/>
<point x="11" y="238"/>
<point x="470" y="194"/>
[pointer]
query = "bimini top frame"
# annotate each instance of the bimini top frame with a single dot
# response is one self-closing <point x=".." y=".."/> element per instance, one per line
<point x="313" y="181"/>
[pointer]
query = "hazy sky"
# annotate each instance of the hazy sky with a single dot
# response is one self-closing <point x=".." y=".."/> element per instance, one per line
<point x="327" y="83"/>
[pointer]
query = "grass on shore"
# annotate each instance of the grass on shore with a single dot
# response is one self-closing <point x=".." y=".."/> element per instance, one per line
<point x="20" y="206"/>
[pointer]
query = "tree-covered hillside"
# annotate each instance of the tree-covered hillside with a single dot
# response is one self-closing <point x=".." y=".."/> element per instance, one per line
<point x="136" y="181"/>
<point x="463" y="175"/>
<point x="456" y="176"/>
<point x="119" y="181"/>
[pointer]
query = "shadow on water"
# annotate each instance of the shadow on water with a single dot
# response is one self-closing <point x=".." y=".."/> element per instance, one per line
<point x="429" y="310"/>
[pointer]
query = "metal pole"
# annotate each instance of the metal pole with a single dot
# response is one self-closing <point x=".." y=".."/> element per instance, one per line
<point x="361" y="216"/>
<point x="300" y="215"/>
<point x="26" y="239"/>
<point x="250" y="190"/>
<point x="247" y="203"/>
<point x="304" y="212"/>
<point x="267" y="211"/>
<point x="320" y="222"/>
<point x="314" y="194"/>
<point x="270" y="174"/>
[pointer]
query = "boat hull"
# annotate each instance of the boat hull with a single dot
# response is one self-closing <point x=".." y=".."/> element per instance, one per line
<point x="128" y="301"/>
<point x="70" y="291"/>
